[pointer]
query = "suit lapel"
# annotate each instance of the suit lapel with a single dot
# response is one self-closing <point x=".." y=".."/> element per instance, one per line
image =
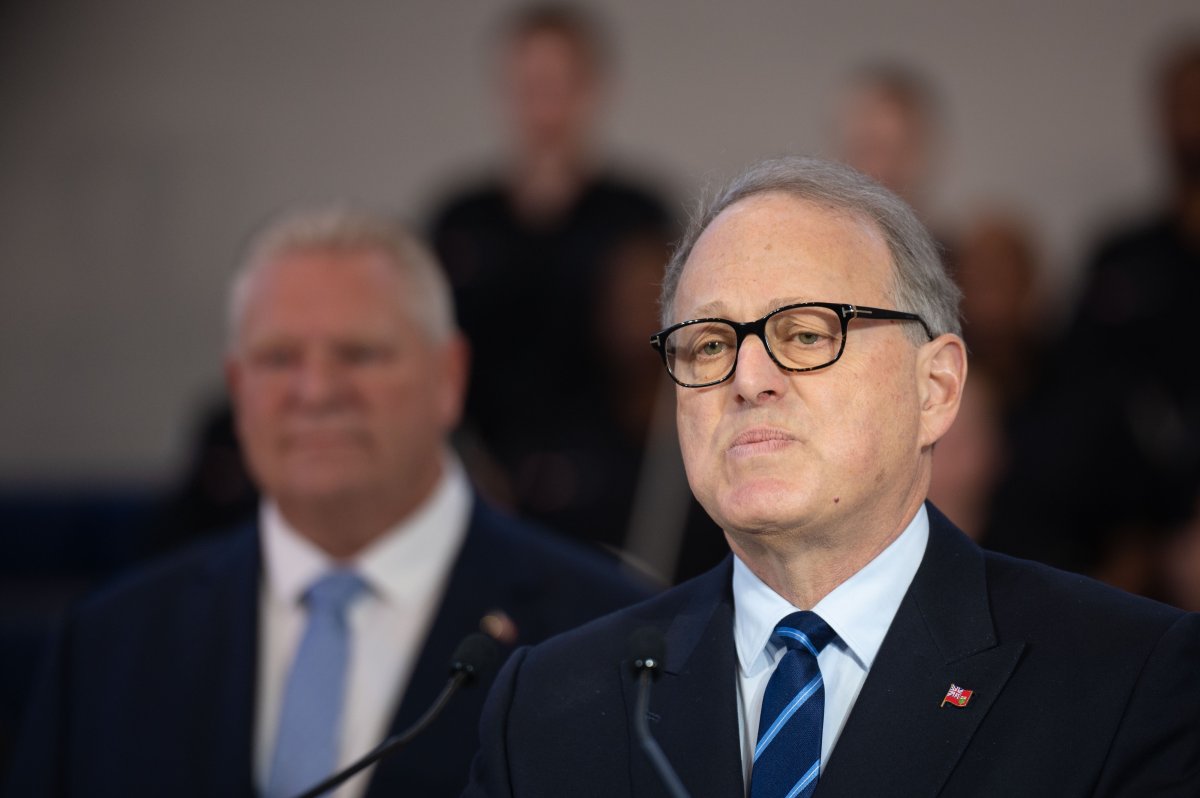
<point x="222" y="630"/>
<point x="424" y="763"/>
<point x="693" y="706"/>
<point x="456" y="617"/>
<point x="942" y="635"/>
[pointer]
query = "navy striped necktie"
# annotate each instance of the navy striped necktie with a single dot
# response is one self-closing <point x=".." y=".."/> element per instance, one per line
<point x="787" y="758"/>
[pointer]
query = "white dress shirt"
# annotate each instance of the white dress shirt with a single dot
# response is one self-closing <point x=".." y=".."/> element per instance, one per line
<point x="859" y="610"/>
<point x="406" y="572"/>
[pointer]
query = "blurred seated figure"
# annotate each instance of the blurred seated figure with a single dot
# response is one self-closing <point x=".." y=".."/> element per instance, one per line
<point x="669" y="534"/>
<point x="1109" y="450"/>
<point x="998" y="268"/>
<point x="530" y="251"/>
<point x="216" y="490"/>
<point x="970" y="457"/>
<point x="261" y="661"/>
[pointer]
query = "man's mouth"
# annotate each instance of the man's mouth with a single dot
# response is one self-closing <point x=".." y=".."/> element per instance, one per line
<point x="760" y="440"/>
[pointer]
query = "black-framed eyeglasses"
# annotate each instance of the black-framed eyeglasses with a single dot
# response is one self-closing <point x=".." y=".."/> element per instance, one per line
<point x="801" y="337"/>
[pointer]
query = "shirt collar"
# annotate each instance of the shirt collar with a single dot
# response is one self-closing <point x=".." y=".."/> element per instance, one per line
<point x="399" y="566"/>
<point x="860" y="610"/>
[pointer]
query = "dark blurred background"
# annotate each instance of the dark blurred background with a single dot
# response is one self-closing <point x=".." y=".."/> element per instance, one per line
<point x="1052" y="149"/>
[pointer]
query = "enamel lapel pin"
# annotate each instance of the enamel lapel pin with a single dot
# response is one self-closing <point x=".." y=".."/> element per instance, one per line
<point x="957" y="696"/>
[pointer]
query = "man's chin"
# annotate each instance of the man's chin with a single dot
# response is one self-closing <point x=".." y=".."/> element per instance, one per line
<point x="763" y="507"/>
<point x="326" y="484"/>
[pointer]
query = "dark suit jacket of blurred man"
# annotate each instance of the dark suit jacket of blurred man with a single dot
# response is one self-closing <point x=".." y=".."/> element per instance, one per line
<point x="150" y="690"/>
<point x="1078" y="690"/>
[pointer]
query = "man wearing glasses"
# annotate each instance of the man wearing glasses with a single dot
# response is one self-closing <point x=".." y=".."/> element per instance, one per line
<point x="855" y="643"/>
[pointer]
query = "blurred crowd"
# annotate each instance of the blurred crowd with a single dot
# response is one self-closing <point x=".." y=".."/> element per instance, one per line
<point x="1078" y="443"/>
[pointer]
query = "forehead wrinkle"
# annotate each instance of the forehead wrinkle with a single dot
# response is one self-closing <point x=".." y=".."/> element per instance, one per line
<point x="717" y="306"/>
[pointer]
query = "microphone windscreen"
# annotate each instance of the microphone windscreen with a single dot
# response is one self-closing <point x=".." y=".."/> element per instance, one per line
<point x="475" y="656"/>
<point x="647" y="647"/>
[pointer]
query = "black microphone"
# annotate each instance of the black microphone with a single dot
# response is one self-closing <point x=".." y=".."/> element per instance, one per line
<point x="475" y="656"/>
<point x="647" y="648"/>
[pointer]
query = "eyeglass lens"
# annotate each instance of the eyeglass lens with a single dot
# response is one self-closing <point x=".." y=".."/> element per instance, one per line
<point x="800" y="338"/>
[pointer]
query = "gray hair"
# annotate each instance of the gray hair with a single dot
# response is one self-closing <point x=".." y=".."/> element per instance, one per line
<point x="342" y="229"/>
<point x="921" y="284"/>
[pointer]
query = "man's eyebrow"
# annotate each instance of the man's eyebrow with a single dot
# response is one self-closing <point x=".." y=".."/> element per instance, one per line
<point x="715" y="308"/>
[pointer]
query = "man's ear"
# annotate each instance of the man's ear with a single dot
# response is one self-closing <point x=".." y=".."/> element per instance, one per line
<point x="455" y="369"/>
<point x="941" y="375"/>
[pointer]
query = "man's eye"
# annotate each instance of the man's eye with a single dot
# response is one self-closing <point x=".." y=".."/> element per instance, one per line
<point x="275" y="358"/>
<point x="711" y="348"/>
<point x="363" y="355"/>
<point x="804" y="336"/>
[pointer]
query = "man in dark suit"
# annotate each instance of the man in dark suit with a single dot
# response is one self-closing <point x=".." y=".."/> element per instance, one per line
<point x="262" y="662"/>
<point x="855" y="643"/>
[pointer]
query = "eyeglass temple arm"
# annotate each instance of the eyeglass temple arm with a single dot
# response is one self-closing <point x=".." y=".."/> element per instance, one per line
<point x="857" y="311"/>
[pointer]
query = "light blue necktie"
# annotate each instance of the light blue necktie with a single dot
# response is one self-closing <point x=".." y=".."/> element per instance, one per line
<point x="306" y="744"/>
<point x="787" y="758"/>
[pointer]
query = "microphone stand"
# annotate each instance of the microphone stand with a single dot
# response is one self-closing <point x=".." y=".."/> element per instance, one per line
<point x="653" y="750"/>
<point x="476" y="654"/>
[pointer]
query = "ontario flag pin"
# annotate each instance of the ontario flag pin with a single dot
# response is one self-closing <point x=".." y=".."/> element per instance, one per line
<point x="957" y="696"/>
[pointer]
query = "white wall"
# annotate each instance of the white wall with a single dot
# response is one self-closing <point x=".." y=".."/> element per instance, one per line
<point x="141" y="140"/>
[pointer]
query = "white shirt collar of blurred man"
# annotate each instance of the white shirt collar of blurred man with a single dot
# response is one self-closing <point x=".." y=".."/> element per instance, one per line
<point x="406" y="570"/>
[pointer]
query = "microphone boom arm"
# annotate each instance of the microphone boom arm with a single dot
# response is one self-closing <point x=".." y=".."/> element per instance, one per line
<point x="476" y="655"/>
<point x="391" y="743"/>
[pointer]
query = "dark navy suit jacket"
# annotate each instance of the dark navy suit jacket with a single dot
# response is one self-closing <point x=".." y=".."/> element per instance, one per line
<point x="150" y="690"/>
<point x="1078" y="690"/>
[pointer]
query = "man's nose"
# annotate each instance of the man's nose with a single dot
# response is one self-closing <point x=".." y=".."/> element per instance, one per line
<point x="757" y="377"/>
<point x="319" y="382"/>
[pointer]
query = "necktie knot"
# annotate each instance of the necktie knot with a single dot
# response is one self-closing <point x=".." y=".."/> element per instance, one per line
<point x="334" y="592"/>
<point x="804" y="631"/>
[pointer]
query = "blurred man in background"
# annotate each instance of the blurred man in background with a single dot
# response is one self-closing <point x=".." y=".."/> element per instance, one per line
<point x="263" y="661"/>
<point x="534" y="253"/>
<point x="886" y="126"/>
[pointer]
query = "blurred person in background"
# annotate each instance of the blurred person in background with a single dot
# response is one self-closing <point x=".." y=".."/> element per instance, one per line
<point x="887" y="125"/>
<point x="1108" y="454"/>
<point x="215" y="490"/>
<point x="999" y="269"/>
<point x="971" y="457"/>
<point x="669" y="534"/>
<point x="531" y="252"/>
<point x="262" y="661"/>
